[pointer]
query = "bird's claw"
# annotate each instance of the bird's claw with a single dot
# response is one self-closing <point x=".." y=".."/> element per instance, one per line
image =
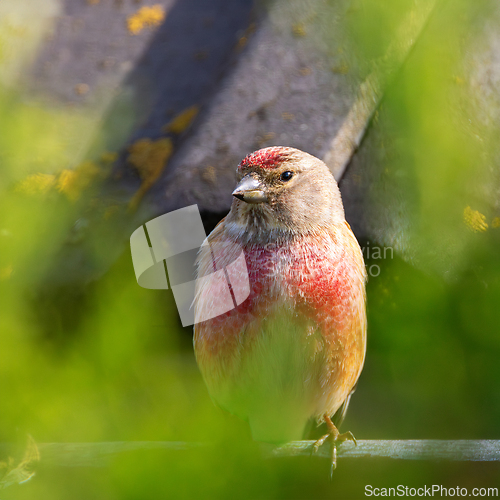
<point x="336" y="438"/>
<point x="318" y="443"/>
<point x="347" y="436"/>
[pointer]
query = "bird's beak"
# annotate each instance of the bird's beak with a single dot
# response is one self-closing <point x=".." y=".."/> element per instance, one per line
<point x="250" y="190"/>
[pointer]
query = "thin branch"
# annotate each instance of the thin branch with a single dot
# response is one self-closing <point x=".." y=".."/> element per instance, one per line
<point x="98" y="454"/>
<point x="424" y="449"/>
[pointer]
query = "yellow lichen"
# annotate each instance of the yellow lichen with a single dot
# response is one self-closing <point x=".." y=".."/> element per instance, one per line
<point x="66" y="181"/>
<point x="495" y="222"/>
<point x="287" y="116"/>
<point x="109" y="157"/>
<point x="298" y="29"/>
<point x="73" y="182"/>
<point x="341" y="69"/>
<point x="209" y="174"/>
<point x="475" y="220"/>
<point x="150" y="16"/>
<point x="36" y="184"/>
<point x="182" y="121"/>
<point x="243" y="40"/>
<point x="82" y="89"/>
<point x="149" y="158"/>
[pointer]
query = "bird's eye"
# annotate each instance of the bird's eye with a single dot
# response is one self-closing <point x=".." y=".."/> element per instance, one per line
<point x="286" y="176"/>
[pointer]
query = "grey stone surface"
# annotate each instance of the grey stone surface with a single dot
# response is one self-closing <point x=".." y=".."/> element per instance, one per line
<point x="91" y="44"/>
<point x="136" y="83"/>
<point x="285" y="90"/>
<point x="292" y="84"/>
<point x="385" y="189"/>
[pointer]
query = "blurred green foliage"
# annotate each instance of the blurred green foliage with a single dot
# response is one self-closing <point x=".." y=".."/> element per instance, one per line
<point x="103" y="360"/>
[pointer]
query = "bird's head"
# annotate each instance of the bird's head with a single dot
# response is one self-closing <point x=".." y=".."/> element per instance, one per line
<point x="282" y="192"/>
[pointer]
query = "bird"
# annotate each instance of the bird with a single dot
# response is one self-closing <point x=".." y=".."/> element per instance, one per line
<point x="291" y="353"/>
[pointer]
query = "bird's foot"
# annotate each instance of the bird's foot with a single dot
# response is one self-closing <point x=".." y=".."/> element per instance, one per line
<point x="336" y="438"/>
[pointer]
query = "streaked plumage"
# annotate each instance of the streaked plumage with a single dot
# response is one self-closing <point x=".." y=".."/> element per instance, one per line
<point x="294" y="349"/>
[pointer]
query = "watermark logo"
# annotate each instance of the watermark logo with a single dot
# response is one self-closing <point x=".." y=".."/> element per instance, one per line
<point x="429" y="491"/>
<point x="164" y="254"/>
<point x="375" y="252"/>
